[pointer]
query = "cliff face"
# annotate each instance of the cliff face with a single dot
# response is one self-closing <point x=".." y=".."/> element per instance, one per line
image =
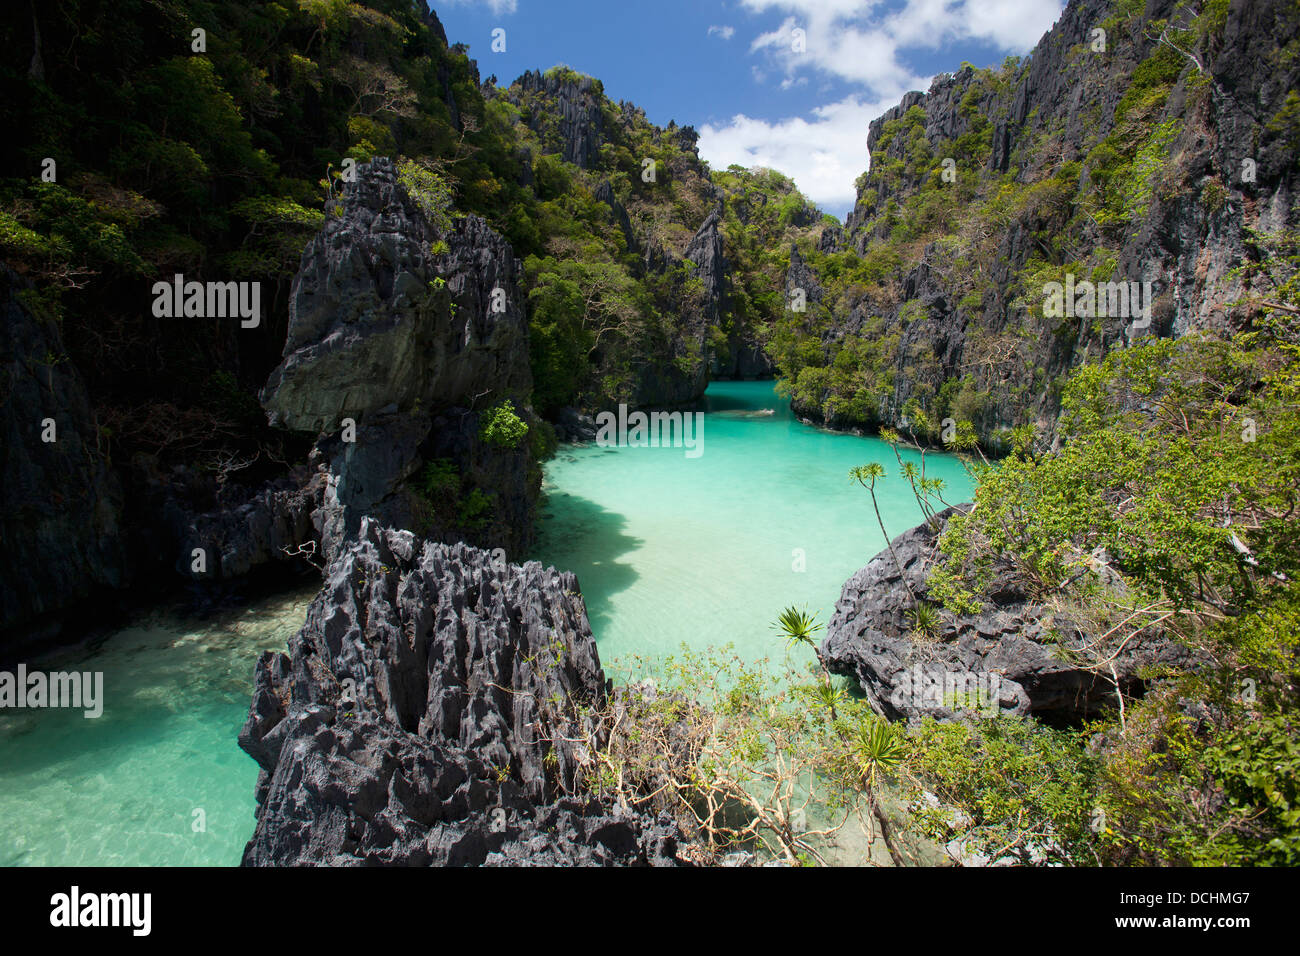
<point x="412" y="335"/>
<point x="378" y="317"/>
<point x="61" y="512"/>
<point x="429" y="713"/>
<point x="1148" y="159"/>
<point x="680" y="377"/>
<point x="764" y="220"/>
<point x="646" y="327"/>
<point x="573" y="124"/>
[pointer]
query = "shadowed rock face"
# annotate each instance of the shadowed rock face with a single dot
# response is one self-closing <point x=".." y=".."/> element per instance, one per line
<point x="1005" y="659"/>
<point x="426" y="715"/>
<point x="61" y="519"/>
<point x="377" y="318"/>
<point x="410" y="333"/>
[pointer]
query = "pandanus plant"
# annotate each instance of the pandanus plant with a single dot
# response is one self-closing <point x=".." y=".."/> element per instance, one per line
<point x="878" y="752"/>
<point x="867" y="476"/>
<point x="874" y="750"/>
<point x="798" y="627"/>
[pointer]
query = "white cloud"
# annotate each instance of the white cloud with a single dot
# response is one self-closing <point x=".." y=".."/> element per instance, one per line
<point x="725" y="32"/>
<point x="864" y="43"/>
<point x="823" y="154"/>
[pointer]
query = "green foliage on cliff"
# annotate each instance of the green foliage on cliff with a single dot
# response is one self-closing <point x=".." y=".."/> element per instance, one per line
<point x="943" y="237"/>
<point x="611" y="301"/>
<point x="1180" y="478"/>
<point x="214" y="163"/>
<point x="430" y="191"/>
<point x="217" y="163"/>
<point x="1178" y="492"/>
<point x="503" y="427"/>
<point x="763" y="215"/>
<point x="439" y="481"/>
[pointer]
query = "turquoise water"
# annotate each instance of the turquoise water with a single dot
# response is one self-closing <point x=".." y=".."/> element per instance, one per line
<point x="707" y="551"/>
<point x="668" y="549"/>
<point x="121" y="789"/>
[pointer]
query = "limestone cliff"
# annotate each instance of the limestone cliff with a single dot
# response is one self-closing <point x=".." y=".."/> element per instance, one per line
<point x="1127" y="147"/>
<point x="60" y="501"/>
<point x="400" y="338"/>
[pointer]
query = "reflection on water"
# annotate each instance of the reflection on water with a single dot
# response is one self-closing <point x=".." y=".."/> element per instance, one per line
<point x="708" y="551"/>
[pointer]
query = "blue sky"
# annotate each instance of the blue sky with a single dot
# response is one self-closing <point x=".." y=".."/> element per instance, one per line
<point x="731" y="68"/>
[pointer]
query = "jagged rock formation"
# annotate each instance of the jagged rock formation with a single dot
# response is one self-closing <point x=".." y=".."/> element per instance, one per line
<point x="574" y="127"/>
<point x="1156" y="162"/>
<point x="427" y="714"/>
<point x="370" y="324"/>
<point x="1011" y="658"/>
<point x="709" y="265"/>
<point x="61" y="511"/>
<point x="680" y="378"/>
<point x="270" y="525"/>
<point x="411" y="344"/>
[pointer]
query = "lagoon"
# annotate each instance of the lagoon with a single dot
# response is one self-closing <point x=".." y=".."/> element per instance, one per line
<point x="669" y="550"/>
<point x="702" y="551"/>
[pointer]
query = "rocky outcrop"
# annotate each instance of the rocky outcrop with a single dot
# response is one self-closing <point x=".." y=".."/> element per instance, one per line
<point x="573" y="425"/>
<point x="430" y="713"/>
<point x="400" y="337"/>
<point x="573" y="124"/>
<point x="709" y="265"/>
<point x="377" y="317"/>
<point x="1013" y="657"/>
<point x="60" y="502"/>
<point x="273" y="524"/>
<point x="682" y="380"/>
<point x="976" y="324"/>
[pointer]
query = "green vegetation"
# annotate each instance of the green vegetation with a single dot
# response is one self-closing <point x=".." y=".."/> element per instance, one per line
<point x="1077" y="189"/>
<point x="503" y="427"/>
<point x="453" y="503"/>
<point x="763" y="215"/>
<point x="1178" y="473"/>
<point x="1179" y="477"/>
<point x="431" y="192"/>
<point x="439" y="481"/>
<point x="599" y="316"/>
<point x="729" y="748"/>
<point x="217" y="164"/>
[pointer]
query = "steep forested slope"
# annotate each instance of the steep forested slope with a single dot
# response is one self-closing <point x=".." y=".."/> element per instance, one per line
<point x="1137" y="143"/>
<point x="215" y="141"/>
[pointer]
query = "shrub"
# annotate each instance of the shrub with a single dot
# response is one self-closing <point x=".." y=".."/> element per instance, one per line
<point x="503" y="427"/>
<point x="428" y="190"/>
